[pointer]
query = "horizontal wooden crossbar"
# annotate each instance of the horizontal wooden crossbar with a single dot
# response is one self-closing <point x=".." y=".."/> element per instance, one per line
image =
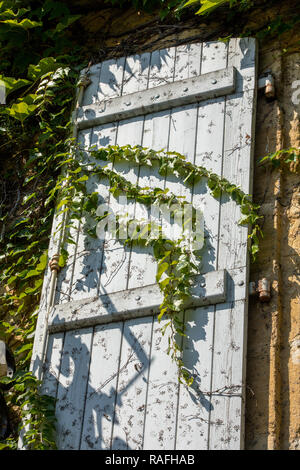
<point x="214" y="287"/>
<point x="210" y="85"/>
<point x="208" y="289"/>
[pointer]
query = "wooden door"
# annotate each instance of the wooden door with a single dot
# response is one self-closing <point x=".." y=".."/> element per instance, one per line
<point x="105" y="358"/>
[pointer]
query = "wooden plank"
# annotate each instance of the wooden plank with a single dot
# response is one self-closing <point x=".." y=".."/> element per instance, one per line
<point x="114" y="272"/>
<point x="156" y="136"/>
<point x="142" y="267"/>
<point x="194" y="414"/>
<point x="214" y="56"/>
<point x="90" y="95"/>
<point x="132" y="389"/>
<point x="238" y="149"/>
<point x="86" y="262"/>
<point x="228" y="364"/>
<point x="109" y="86"/>
<point x="52" y="364"/>
<point x="72" y="386"/>
<point x="90" y="250"/>
<point x="243" y="54"/>
<point x="209" y="150"/>
<point x="136" y="73"/>
<point x="210" y="288"/>
<point x="194" y="405"/>
<point x="111" y="79"/>
<point x="162" y="67"/>
<point x="64" y="285"/>
<point x="132" y="385"/>
<point x="115" y="265"/>
<point x="162" y="396"/>
<point x="40" y="337"/>
<point x="188" y="61"/>
<point x="197" y="416"/>
<point x="238" y="154"/>
<point x="162" y="403"/>
<point x="227" y="400"/>
<point x="209" y="154"/>
<point x="101" y="391"/>
<point x="160" y="98"/>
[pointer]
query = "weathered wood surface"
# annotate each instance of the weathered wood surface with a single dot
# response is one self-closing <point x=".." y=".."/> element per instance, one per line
<point x="115" y="385"/>
<point x="179" y="93"/>
<point x="210" y="288"/>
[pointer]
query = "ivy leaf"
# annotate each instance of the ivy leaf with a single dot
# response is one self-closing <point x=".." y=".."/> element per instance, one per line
<point x="161" y="313"/>
<point x="11" y="279"/>
<point x="12" y="84"/>
<point x="254" y="249"/>
<point x="31" y="290"/>
<point x="9" y="14"/>
<point x="67" y="21"/>
<point x="22" y="109"/>
<point x="63" y="258"/>
<point x="43" y="262"/>
<point x="31" y="273"/>
<point x="23" y="348"/>
<point x="62" y="202"/>
<point x="209" y="5"/>
<point x="163" y="284"/>
<point x="81" y="179"/>
<point x="46" y="65"/>
<point x="24" y="24"/>
<point x="162" y="267"/>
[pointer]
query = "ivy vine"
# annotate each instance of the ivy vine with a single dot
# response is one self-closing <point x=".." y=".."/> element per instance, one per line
<point x="176" y="260"/>
<point x="284" y="159"/>
<point x="39" y="67"/>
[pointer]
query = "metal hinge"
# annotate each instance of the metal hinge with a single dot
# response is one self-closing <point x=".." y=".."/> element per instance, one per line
<point x="267" y="83"/>
<point x="262" y="289"/>
<point x="54" y="263"/>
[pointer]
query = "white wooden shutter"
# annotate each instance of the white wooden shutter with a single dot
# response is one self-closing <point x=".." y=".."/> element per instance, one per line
<point x="105" y="359"/>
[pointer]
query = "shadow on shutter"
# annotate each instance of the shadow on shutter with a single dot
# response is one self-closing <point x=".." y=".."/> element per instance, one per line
<point x="106" y="360"/>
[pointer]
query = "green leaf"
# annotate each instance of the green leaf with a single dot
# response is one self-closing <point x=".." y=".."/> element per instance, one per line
<point x="44" y="66"/>
<point x="161" y="313"/>
<point x="163" y="284"/>
<point x="209" y="5"/>
<point x="43" y="262"/>
<point x="31" y="273"/>
<point x="26" y="347"/>
<point x="63" y="258"/>
<point x="190" y="2"/>
<point x="62" y="202"/>
<point x="12" y="84"/>
<point x="11" y="279"/>
<point x="81" y="179"/>
<point x="22" y="109"/>
<point x="67" y="21"/>
<point x="24" y="24"/>
<point x="162" y="267"/>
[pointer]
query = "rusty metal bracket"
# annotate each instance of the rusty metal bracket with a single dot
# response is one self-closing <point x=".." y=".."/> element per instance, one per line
<point x="84" y="81"/>
<point x="262" y="289"/>
<point x="267" y="83"/>
<point x="54" y="263"/>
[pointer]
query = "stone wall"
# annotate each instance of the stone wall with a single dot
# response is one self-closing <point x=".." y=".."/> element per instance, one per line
<point x="273" y="403"/>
